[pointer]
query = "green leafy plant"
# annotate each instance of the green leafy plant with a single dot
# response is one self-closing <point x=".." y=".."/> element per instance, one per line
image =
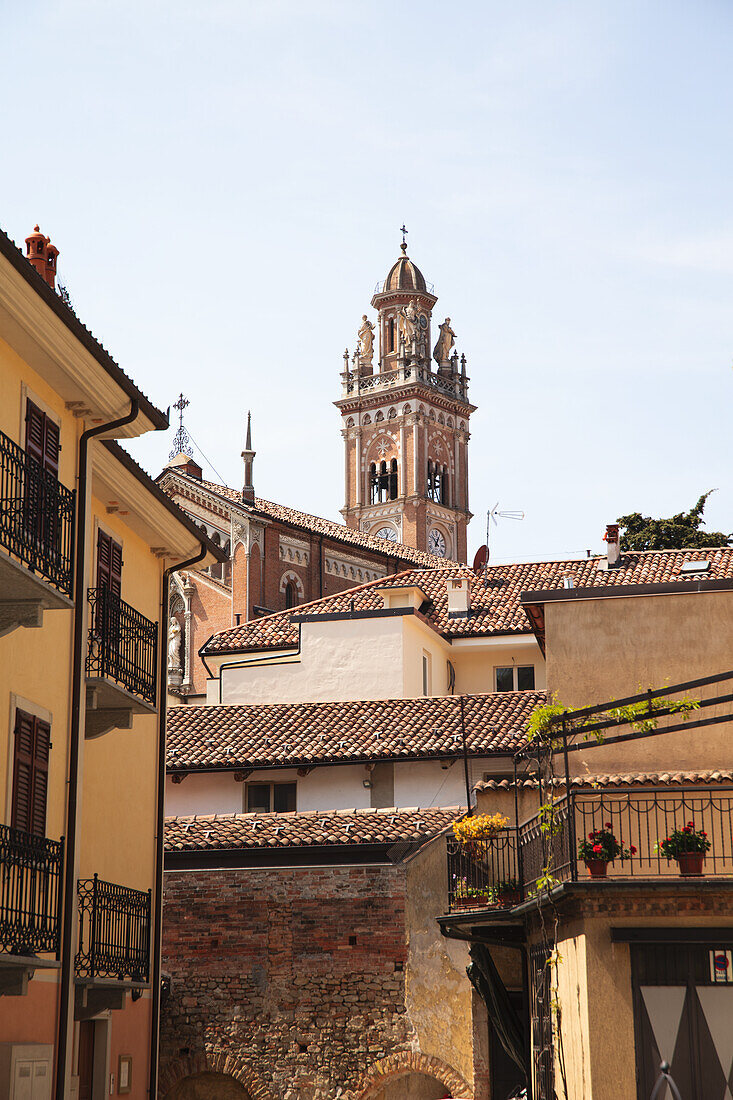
<point x="680" y="532"/>
<point x="680" y="841"/>
<point x="602" y="844"/>
<point x="464" y="890"/>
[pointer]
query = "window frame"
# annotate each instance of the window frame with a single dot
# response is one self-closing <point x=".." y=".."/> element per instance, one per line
<point x="41" y="725"/>
<point x="271" y="783"/>
<point x="515" y="677"/>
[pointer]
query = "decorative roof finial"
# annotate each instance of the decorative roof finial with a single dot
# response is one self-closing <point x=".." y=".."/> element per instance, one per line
<point x="404" y="233"/>
<point x="181" y="440"/>
<point x="248" y="444"/>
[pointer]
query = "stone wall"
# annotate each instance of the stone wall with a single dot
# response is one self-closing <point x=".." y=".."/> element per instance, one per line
<point x="293" y="979"/>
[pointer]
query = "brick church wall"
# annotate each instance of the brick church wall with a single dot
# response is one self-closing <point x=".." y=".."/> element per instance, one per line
<point x="293" y="977"/>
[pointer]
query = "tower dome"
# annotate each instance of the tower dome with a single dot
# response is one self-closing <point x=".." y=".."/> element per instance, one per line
<point x="405" y="275"/>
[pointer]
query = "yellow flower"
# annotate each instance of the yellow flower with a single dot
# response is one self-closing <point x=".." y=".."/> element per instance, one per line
<point x="479" y="827"/>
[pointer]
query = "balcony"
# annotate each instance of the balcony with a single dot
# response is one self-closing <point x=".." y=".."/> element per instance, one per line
<point x="36" y="540"/>
<point x="406" y="375"/>
<point x="502" y="872"/>
<point x="30" y="906"/>
<point x="121" y="665"/>
<point x="114" y="945"/>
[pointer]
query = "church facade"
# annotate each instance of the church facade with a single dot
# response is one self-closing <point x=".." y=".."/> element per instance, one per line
<point x="405" y="421"/>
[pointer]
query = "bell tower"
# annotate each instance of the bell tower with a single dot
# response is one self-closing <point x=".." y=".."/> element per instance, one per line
<point x="405" y="421"/>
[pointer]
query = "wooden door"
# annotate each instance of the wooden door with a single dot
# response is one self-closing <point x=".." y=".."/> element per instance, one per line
<point x="86" y="1060"/>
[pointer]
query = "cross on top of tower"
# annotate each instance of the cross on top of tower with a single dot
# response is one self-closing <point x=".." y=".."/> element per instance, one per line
<point x="404" y="231"/>
<point x="181" y="440"/>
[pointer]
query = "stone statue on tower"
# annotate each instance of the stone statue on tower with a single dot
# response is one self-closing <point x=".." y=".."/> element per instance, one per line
<point x="366" y="340"/>
<point x="446" y="340"/>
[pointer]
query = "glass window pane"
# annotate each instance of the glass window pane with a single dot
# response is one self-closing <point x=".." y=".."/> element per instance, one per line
<point x="258" y="798"/>
<point x="505" y="679"/>
<point x="284" y="797"/>
<point x="525" y="678"/>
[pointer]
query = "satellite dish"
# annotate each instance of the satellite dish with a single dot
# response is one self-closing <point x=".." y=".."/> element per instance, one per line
<point x="481" y="557"/>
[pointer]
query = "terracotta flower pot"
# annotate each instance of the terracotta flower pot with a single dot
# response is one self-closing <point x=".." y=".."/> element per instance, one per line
<point x="691" y="863"/>
<point x="478" y="901"/>
<point x="597" y="868"/>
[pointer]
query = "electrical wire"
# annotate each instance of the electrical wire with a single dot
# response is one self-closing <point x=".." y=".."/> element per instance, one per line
<point x="206" y="460"/>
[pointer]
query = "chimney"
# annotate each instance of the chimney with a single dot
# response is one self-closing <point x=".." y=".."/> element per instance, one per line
<point x="248" y="490"/>
<point x="459" y="597"/>
<point x="186" y="465"/>
<point x="612" y="538"/>
<point x="42" y="255"/>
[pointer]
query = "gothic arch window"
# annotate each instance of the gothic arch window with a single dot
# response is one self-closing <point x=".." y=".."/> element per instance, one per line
<point x="390" y="334"/>
<point x="449" y="421"/>
<point x="441" y="418"/>
<point x="379" y="417"/>
<point x="291" y="586"/>
<point x="367" y="419"/>
<point x="350" y="422"/>
<point x="432" y="415"/>
<point x="392" y="414"/>
<point x="462" y="426"/>
<point x="406" y="410"/>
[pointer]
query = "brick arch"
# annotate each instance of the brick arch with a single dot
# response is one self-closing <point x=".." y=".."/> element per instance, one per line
<point x="212" y="1062"/>
<point x="409" y="1061"/>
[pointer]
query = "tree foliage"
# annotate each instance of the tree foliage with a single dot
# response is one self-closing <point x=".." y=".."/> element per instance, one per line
<point x="680" y="532"/>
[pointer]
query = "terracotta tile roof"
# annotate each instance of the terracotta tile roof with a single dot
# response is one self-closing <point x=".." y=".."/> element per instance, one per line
<point x="313" y="827"/>
<point x="339" y="532"/>
<point x="294" y="734"/>
<point x="611" y="779"/>
<point x="495" y="600"/>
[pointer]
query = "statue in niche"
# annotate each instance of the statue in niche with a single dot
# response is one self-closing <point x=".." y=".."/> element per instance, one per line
<point x="446" y="340"/>
<point x="366" y="339"/>
<point x="174" y="646"/>
<point x="408" y="322"/>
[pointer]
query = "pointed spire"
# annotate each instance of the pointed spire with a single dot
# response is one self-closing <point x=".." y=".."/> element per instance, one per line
<point x="248" y="491"/>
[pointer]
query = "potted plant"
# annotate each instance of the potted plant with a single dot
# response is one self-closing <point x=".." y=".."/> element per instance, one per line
<point x="688" y="846"/>
<point x="601" y="848"/>
<point x="508" y="892"/>
<point x="469" y="897"/>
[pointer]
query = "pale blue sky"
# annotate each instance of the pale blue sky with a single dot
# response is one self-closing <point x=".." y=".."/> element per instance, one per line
<point x="225" y="181"/>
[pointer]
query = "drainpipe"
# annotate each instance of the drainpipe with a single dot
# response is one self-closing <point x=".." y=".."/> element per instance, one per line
<point x="77" y="684"/>
<point x="158" y="909"/>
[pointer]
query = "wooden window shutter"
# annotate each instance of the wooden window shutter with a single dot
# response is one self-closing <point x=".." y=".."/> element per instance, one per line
<point x="104" y="555"/>
<point x="51" y="447"/>
<point x="34" y="432"/>
<point x="30" y="773"/>
<point x="115" y="572"/>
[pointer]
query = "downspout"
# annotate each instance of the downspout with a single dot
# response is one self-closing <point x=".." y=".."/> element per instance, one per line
<point x="80" y="607"/>
<point x="158" y="908"/>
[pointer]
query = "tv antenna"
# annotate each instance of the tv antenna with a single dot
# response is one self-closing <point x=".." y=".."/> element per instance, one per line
<point x="493" y="516"/>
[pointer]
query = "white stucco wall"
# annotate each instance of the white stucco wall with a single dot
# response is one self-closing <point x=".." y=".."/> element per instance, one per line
<point x="342" y="659"/>
<point x="421" y="783"/>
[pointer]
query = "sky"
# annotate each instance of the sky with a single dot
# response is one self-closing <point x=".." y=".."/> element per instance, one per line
<point x="225" y="182"/>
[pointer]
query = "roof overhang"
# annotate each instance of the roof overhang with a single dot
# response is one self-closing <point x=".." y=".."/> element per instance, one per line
<point x="47" y="335"/>
<point x="127" y="490"/>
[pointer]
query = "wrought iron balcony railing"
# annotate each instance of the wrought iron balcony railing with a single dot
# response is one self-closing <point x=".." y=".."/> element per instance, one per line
<point x="504" y="870"/>
<point x="123" y="644"/>
<point x="114" y="932"/>
<point x="30" y="893"/>
<point x="36" y="516"/>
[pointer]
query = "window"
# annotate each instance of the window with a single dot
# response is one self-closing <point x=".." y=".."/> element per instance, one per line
<point x="427" y="673"/>
<point x="109" y="563"/>
<point x="42" y="438"/>
<point x="30" y="773"/>
<point x="291" y="594"/>
<point x="265" y="798"/>
<point x="514" y="678"/>
<point x="390" y="334"/>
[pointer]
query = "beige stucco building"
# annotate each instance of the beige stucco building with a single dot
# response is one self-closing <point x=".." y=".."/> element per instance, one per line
<point x="87" y="543"/>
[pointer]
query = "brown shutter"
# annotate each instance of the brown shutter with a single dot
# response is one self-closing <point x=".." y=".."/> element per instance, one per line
<point x="115" y="571"/>
<point x="40" y="778"/>
<point x="34" y="432"/>
<point x="30" y="773"/>
<point x="51" y="447"/>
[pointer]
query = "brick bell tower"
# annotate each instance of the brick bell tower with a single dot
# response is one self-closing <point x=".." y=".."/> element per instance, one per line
<point x="405" y="421"/>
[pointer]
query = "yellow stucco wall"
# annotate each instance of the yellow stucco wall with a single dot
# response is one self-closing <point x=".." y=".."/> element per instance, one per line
<point x="475" y="668"/>
<point x="608" y="648"/>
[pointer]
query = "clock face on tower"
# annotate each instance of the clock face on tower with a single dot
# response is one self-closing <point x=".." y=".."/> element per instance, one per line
<point x="436" y="543"/>
<point x="387" y="533"/>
